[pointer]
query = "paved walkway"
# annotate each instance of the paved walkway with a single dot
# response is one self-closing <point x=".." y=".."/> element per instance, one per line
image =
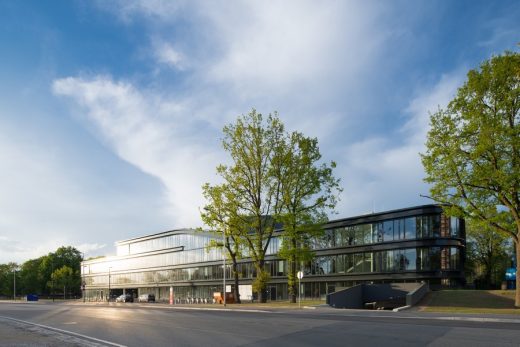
<point x="17" y="334"/>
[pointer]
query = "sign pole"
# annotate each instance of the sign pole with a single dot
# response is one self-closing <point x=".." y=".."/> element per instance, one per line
<point x="300" y="276"/>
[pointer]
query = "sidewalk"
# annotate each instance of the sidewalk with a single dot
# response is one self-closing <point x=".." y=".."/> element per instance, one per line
<point x="320" y="309"/>
<point x="15" y="333"/>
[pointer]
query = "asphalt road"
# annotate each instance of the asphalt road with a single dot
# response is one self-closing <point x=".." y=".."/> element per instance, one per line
<point x="160" y="325"/>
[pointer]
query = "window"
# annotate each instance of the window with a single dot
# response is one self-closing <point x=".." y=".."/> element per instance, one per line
<point x="367" y="233"/>
<point x="399" y="229"/>
<point x="358" y="262"/>
<point x="411" y="259"/>
<point x="340" y="263"/>
<point x="436" y="225"/>
<point x="454" y="227"/>
<point x="409" y="228"/>
<point x="454" y="258"/>
<point x="388" y="228"/>
<point x="435" y="258"/>
<point x="349" y="263"/>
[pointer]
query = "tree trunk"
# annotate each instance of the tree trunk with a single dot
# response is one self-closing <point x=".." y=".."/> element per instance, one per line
<point x="291" y="278"/>
<point x="517" y="291"/>
<point x="262" y="297"/>
<point x="236" y="292"/>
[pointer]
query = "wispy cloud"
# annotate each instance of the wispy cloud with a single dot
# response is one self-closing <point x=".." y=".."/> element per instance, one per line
<point x="156" y="135"/>
<point x="88" y="248"/>
<point x="166" y="54"/>
<point x="311" y="68"/>
<point x="386" y="172"/>
<point x="294" y="57"/>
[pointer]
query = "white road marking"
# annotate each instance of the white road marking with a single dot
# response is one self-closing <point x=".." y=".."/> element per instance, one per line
<point x="65" y="332"/>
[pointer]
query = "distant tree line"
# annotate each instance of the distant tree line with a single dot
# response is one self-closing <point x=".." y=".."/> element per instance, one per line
<point x="55" y="274"/>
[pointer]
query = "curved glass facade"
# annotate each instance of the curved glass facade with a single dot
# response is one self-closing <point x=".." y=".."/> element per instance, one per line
<point x="415" y="244"/>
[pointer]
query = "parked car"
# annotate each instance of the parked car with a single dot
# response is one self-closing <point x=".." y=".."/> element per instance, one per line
<point x="125" y="298"/>
<point x="146" y="298"/>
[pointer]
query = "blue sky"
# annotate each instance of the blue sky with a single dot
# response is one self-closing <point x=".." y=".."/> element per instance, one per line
<point x="111" y="111"/>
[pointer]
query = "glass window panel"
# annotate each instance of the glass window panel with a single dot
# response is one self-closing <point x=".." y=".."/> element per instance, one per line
<point x="454" y="258"/>
<point x="411" y="259"/>
<point x="358" y="235"/>
<point x="349" y="263"/>
<point x="358" y="262"/>
<point x="435" y="258"/>
<point x="340" y="263"/>
<point x="351" y="233"/>
<point x="454" y="227"/>
<point x="388" y="230"/>
<point x="409" y="228"/>
<point x="367" y="233"/>
<point x="389" y="261"/>
<point x="367" y="266"/>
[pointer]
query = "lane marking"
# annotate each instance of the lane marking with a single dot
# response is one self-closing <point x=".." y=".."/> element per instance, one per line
<point x="207" y="309"/>
<point x="444" y="318"/>
<point x="65" y="332"/>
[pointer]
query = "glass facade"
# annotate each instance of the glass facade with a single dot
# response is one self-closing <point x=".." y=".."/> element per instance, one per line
<point x="413" y="245"/>
<point x="411" y="228"/>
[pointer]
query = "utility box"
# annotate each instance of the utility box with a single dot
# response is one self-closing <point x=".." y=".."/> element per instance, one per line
<point x="32" y="297"/>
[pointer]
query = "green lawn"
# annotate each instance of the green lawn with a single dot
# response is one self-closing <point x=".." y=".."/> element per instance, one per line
<point x="471" y="301"/>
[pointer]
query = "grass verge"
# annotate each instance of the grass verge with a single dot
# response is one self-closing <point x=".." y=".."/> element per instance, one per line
<point x="471" y="301"/>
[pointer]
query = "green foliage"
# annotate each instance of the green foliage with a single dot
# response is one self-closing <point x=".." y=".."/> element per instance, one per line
<point x="274" y="180"/>
<point x="473" y="147"/>
<point x="487" y="252"/>
<point x="261" y="280"/>
<point x="7" y="279"/>
<point x="309" y="190"/>
<point x="245" y="206"/>
<point x="35" y="275"/>
<point x="30" y="275"/>
<point x="472" y="159"/>
<point x="64" y="278"/>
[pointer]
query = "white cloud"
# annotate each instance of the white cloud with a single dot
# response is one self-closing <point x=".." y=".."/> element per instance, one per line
<point x="52" y="195"/>
<point x="166" y="54"/>
<point x="309" y="61"/>
<point x="90" y="248"/>
<point x="156" y="135"/>
<point x="292" y="56"/>
<point x="381" y="173"/>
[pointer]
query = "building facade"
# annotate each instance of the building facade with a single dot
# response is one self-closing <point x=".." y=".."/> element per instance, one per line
<point x="407" y="245"/>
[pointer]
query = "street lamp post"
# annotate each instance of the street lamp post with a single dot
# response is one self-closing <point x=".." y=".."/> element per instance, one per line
<point x="14" y="284"/>
<point x="224" y="264"/>
<point x="109" y="268"/>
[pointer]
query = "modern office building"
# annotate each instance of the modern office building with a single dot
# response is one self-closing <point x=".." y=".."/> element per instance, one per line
<point x="407" y="245"/>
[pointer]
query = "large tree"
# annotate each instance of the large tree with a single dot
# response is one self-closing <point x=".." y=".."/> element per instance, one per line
<point x="250" y="191"/>
<point x="220" y="215"/>
<point x="7" y="282"/>
<point x="65" y="278"/>
<point x="472" y="159"/>
<point x="309" y="191"/>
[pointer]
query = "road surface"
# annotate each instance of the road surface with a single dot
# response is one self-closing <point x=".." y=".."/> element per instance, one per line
<point x="161" y="325"/>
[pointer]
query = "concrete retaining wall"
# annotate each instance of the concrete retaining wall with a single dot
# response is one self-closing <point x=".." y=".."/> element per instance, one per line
<point x="386" y="294"/>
